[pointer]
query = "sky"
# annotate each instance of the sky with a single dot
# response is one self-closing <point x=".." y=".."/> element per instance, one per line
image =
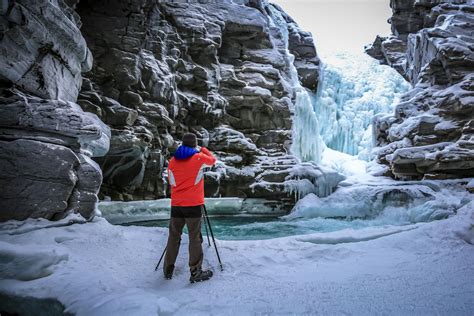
<point x="340" y="25"/>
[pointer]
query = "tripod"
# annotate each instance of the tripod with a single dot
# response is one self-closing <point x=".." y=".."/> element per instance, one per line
<point x="207" y="223"/>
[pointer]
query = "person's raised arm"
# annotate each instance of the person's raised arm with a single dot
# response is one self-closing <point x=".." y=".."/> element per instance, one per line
<point x="207" y="157"/>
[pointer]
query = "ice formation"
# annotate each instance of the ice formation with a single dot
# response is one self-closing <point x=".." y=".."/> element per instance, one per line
<point x="353" y="89"/>
<point x="148" y="210"/>
<point x="395" y="204"/>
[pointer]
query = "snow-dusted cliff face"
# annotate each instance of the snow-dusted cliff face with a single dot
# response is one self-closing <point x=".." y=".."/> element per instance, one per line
<point x="151" y="71"/>
<point x="225" y="70"/>
<point x="46" y="139"/>
<point x="431" y="133"/>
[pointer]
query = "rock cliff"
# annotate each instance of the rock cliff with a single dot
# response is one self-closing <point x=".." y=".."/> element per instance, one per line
<point x="151" y="71"/>
<point x="431" y="133"/>
<point x="46" y="139"/>
<point x="220" y="69"/>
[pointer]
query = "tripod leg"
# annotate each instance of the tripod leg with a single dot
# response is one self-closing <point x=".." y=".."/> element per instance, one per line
<point x="161" y="258"/>
<point x="207" y="232"/>
<point x="213" y="240"/>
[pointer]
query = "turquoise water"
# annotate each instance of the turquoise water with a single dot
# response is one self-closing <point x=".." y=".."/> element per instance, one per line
<point x="252" y="227"/>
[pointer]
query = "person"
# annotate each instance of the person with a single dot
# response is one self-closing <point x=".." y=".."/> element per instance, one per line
<point x="186" y="178"/>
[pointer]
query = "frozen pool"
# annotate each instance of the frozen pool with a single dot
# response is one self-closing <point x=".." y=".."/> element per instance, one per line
<point x="255" y="227"/>
<point x="352" y="207"/>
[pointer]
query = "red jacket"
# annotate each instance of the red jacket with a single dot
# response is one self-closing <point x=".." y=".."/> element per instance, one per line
<point x="186" y="177"/>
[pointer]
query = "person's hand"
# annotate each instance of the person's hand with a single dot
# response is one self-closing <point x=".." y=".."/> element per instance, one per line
<point x="198" y="148"/>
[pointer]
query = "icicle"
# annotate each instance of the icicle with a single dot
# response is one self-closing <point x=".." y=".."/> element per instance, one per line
<point x="306" y="140"/>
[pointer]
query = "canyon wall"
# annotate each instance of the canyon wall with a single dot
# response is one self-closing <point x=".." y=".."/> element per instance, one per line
<point x="151" y="71"/>
<point x="431" y="133"/>
<point x="220" y="69"/>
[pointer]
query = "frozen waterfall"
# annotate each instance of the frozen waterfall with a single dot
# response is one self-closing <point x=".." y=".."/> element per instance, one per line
<point x="354" y="88"/>
<point x="307" y="144"/>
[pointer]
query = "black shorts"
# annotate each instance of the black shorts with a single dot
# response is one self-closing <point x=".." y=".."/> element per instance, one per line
<point x="186" y="211"/>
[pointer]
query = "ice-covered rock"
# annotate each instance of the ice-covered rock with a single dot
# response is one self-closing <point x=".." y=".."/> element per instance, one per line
<point x="46" y="180"/>
<point x="289" y="176"/>
<point x="301" y="46"/>
<point x="389" y="51"/>
<point x="53" y="121"/>
<point x="431" y="132"/>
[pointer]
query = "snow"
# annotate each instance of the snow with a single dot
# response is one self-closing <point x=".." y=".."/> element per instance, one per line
<point x="470" y="185"/>
<point x="343" y="163"/>
<point x="418" y="153"/>
<point x="424" y="268"/>
<point x="234" y="138"/>
<point x="445" y="125"/>
<point x="394" y="204"/>
<point x="353" y="235"/>
<point x="27" y="264"/>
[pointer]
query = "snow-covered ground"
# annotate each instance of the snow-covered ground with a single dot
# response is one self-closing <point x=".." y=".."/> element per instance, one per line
<point x="100" y="269"/>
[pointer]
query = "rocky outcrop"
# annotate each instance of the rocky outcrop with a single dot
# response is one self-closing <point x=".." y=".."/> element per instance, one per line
<point x="46" y="139"/>
<point x="220" y="69"/>
<point x="301" y="46"/>
<point x="431" y="133"/>
<point x="389" y="51"/>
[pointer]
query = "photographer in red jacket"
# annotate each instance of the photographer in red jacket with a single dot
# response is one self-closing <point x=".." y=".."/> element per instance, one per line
<point x="186" y="177"/>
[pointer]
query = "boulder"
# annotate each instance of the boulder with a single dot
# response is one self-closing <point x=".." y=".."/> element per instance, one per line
<point x="45" y="180"/>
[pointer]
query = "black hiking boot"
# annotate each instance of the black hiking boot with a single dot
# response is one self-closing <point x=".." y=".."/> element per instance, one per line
<point x="168" y="271"/>
<point x="199" y="275"/>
